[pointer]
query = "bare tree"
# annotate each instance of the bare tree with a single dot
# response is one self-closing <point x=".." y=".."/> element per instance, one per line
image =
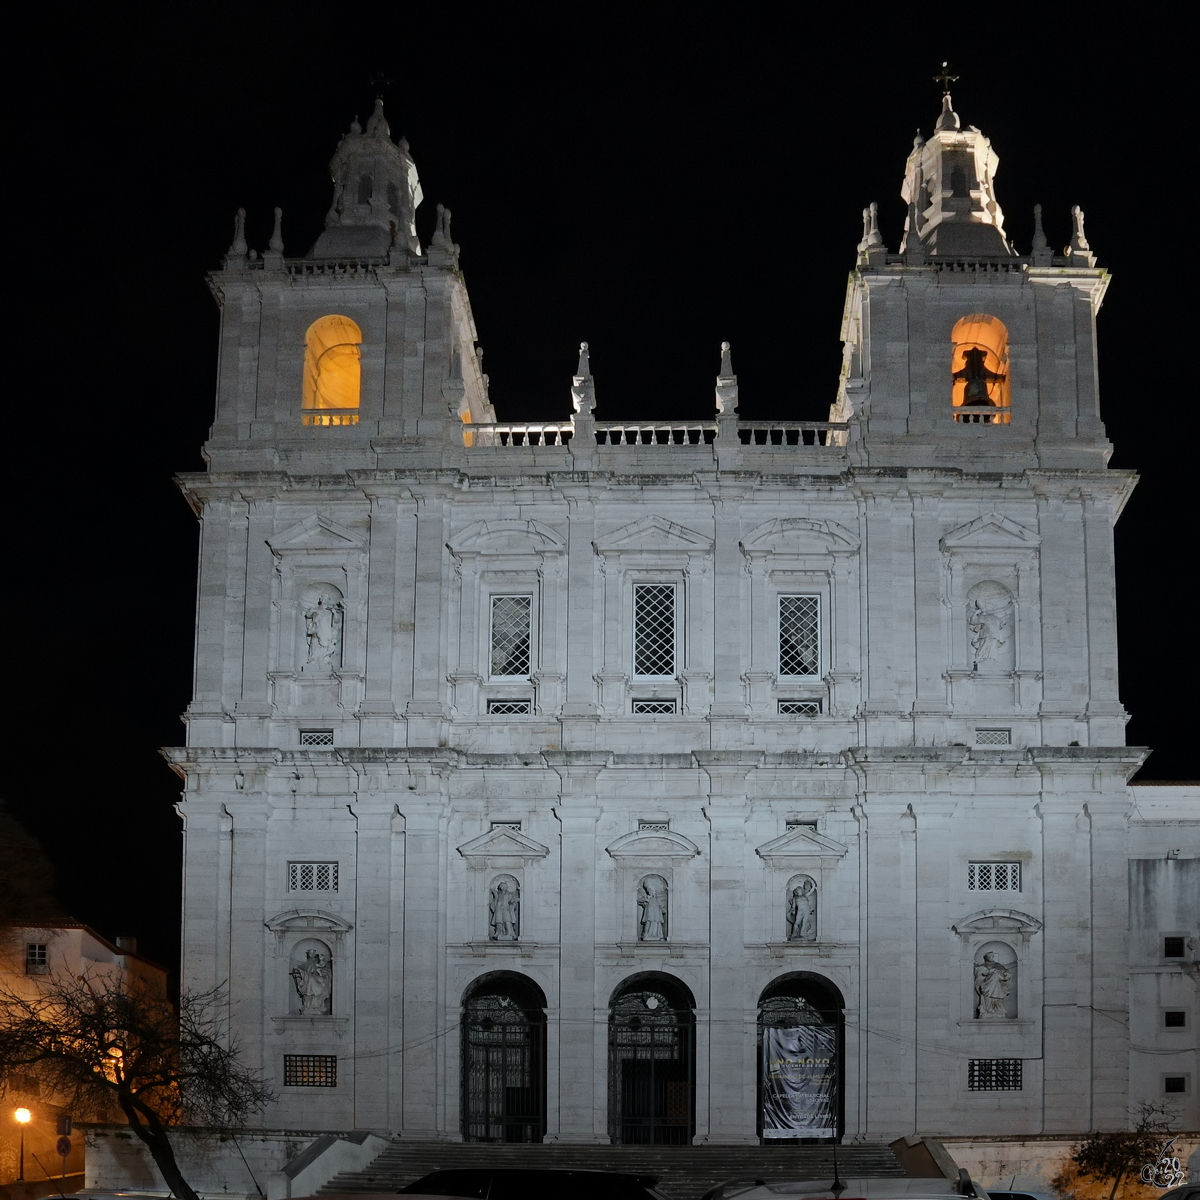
<point x="1105" y="1156"/>
<point x="108" y="1043"/>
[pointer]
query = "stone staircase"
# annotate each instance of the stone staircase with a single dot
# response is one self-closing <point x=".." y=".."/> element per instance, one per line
<point x="683" y="1172"/>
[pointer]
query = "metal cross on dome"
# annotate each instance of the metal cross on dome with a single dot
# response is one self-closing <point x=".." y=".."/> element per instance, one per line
<point x="945" y="77"/>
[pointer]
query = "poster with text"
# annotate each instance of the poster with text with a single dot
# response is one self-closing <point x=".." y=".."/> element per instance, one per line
<point x="799" y="1073"/>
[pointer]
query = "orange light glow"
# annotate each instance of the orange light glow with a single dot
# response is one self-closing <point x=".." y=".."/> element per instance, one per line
<point x="332" y="372"/>
<point x="993" y="384"/>
<point x="23" y="1116"/>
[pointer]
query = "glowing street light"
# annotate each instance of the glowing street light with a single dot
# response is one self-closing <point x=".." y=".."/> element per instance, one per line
<point x="23" y="1117"/>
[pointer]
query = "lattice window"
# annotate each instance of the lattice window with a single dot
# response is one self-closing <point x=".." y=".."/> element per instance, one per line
<point x="994" y="1074"/>
<point x="310" y="1070"/>
<point x="790" y="824"/>
<point x="511" y="635"/>
<point x="799" y="635"/>
<point x="654" y="629"/>
<point x="36" y="959"/>
<point x="654" y="826"/>
<point x="1173" y="947"/>
<point x="654" y="708"/>
<point x="994" y="877"/>
<point x="1175" y="1084"/>
<point x="515" y="826"/>
<point x="316" y="737"/>
<point x="312" y="877"/>
<point x="993" y="737"/>
<point x="799" y="708"/>
<point x="498" y="708"/>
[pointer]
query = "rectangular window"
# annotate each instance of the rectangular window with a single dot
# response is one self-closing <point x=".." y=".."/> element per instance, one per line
<point x="506" y="708"/>
<point x="791" y="824"/>
<point x="994" y="877"/>
<point x="654" y="629"/>
<point x="994" y="1074"/>
<point x="310" y="1070"/>
<point x="1172" y="947"/>
<point x="799" y="635"/>
<point x="654" y="708"/>
<point x="312" y="877"/>
<point x="512" y="636"/>
<point x="316" y="737"/>
<point x="1175" y="1018"/>
<point x="515" y="826"/>
<point x="654" y="826"/>
<point x="36" y="960"/>
<point x="1176" y="1085"/>
<point x="799" y="708"/>
<point x="993" y="737"/>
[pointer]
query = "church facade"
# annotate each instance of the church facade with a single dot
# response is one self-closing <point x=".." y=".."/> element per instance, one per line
<point x="671" y="782"/>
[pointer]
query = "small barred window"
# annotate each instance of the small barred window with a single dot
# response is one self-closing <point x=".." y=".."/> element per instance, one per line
<point x="994" y="876"/>
<point x="993" y="737"/>
<point x="515" y="826"/>
<point x="994" y="1074"/>
<point x="654" y="630"/>
<point x="310" y="1070"/>
<point x="1172" y="947"/>
<point x="799" y="635"/>
<point x="799" y="708"/>
<point x="512" y="635"/>
<point x="654" y="708"/>
<point x="312" y="877"/>
<point x="790" y="824"/>
<point x="36" y="959"/>
<point x="508" y="708"/>
<point x="316" y="737"/>
<point x="654" y="826"/>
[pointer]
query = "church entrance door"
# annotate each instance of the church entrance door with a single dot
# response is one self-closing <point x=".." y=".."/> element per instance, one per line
<point x="652" y="1063"/>
<point x="504" y="1060"/>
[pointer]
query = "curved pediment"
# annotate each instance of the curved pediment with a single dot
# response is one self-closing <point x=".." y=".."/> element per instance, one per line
<point x="654" y="534"/>
<point x="798" y="536"/>
<point x="998" y="920"/>
<point x="502" y="847"/>
<point x="653" y="844"/>
<point x="505" y="536"/>
<point x="314" y="534"/>
<point x="992" y="531"/>
<point x="313" y="920"/>
<point x="799" y="844"/>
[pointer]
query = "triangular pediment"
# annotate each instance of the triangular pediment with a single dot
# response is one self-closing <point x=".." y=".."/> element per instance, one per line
<point x="506" y="537"/>
<point x="502" y="847"/>
<point x="799" y="536"/>
<point x="308" y="920"/>
<point x="992" y="531"/>
<point x="801" y="843"/>
<point x="653" y="844"/>
<point x="315" y="533"/>
<point x="653" y="534"/>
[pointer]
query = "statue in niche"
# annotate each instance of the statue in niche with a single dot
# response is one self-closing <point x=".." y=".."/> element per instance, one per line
<point x="802" y="910"/>
<point x="990" y="622"/>
<point x="313" y="977"/>
<point x="504" y="910"/>
<point x="322" y="629"/>
<point x="993" y="985"/>
<point x="652" y="909"/>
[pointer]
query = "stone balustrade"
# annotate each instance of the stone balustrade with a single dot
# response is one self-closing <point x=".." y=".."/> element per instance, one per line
<point x="656" y="433"/>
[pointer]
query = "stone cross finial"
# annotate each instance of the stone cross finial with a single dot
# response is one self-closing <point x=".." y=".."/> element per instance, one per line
<point x="276" y="243"/>
<point x="945" y="77"/>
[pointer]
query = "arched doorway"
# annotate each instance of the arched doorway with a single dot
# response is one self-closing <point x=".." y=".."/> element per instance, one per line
<point x="504" y="1060"/>
<point x="801" y="1073"/>
<point x="652" y="1063"/>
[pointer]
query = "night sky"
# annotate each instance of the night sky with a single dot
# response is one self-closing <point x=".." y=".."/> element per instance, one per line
<point x="643" y="178"/>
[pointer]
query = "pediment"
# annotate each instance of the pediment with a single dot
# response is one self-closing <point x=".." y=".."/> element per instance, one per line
<point x="657" y="845"/>
<point x="653" y="533"/>
<point x="315" y="533"/>
<point x="998" y="920"/>
<point x="799" y="536"/>
<point x="797" y="844"/>
<point x="502" y="847"/>
<point x="308" y="920"/>
<point x="992" y="531"/>
<point x="506" y="537"/>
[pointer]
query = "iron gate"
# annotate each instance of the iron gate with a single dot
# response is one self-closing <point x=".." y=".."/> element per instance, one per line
<point x="504" y="1070"/>
<point x="651" y="1071"/>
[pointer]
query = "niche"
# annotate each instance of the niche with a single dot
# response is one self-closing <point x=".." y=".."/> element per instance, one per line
<point x="322" y="611"/>
<point x="652" y="909"/>
<point x="504" y="909"/>
<point x="311" y="972"/>
<point x="802" y="909"/>
<point x="994" y="982"/>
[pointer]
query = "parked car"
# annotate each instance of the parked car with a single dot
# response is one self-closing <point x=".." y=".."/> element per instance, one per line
<point x="851" y="1189"/>
<point x="1010" y="1195"/>
<point x="1185" y="1191"/>
<point x="499" y="1183"/>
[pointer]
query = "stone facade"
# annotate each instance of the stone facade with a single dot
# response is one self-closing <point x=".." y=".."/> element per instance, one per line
<point x="585" y="719"/>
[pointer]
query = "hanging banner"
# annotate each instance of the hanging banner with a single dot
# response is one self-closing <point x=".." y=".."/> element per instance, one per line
<point x="799" y="1074"/>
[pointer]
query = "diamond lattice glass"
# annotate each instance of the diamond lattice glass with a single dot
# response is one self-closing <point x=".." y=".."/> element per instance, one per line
<point x="511" y="635"/>
<point x="654" y="629"/>
<point x="799" y="627"/>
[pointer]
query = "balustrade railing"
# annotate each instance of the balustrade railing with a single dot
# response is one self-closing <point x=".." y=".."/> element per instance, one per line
<point x="790" y="433"/>
<point x="657" y="433"/>
<point x="520" y="433"/>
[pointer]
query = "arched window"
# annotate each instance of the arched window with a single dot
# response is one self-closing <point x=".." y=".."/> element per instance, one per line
<point x="979" y="371"/>
<point x="332" y="372"/>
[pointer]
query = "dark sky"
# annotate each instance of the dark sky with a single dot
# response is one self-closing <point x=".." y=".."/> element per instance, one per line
<point x="642" y="177"/>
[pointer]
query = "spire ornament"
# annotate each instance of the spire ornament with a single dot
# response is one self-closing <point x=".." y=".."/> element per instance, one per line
<point x="727" y="385"/>
<point x="276" y="243"/>
<point x="1040" y="254"/>
<point x="237" y="249"/>
<point x="583" y="389"/>
<point x="913" y="248"/>
<point x="1078" y="252"/>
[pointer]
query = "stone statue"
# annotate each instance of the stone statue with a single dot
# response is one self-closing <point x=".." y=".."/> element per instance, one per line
<point x="802" y="911"/>
<point x="321" y="626"/>
<point x="989" y="619"/>
<point x="993" y="982"/>
<point x="652" y="909"/>
<point x="504" y="910"/>
<point x="314" y="984"/>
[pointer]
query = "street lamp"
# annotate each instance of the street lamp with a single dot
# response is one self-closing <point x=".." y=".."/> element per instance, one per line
<point x="23" y="1116"/>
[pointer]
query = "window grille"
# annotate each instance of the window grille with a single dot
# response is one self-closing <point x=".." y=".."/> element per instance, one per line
<point x="653" y="630"/>
<point x="316" y="737"/>
<point x="312" y="877"/>
<point x="653" y="708"/>
<point x="994" y="1074"/>
<point x="653" y="826"/>
<point x="993" y="737"/>
<point x="515" y="826"/>
<point x="790" y="825"/>
<point x="799" y="640"/>
<point x="511" y="635"/>
<point x="799" y="708"/>
<point x="994" y="877"/>
<point x="1175" y="1018"/>
<point x="1172" y="947"/>
<point x="36" y="959"/>
<point x="1176" y="1084"/>
<point x="506" y="708"/>
<point x="310" y="1070"/>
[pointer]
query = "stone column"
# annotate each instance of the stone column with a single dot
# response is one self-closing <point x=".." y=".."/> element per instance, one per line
<point x="377" y="713"/>
<point x="579" y="709"/>
<point x="727" y="718"/>
<point x="426" y="710"/>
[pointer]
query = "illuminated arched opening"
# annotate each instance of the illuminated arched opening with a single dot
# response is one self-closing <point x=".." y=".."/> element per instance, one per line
<point x="981" y="381"/>
<point x="332" y="372"/>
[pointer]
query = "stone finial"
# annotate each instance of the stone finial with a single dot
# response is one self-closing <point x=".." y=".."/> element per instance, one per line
<point x="918" y="141"/>
<point x="1078" y="252"/>
<point x="913" y="248"/>
<point x="584" y="370"/>
<point x="441" y="230"/>
<point x="947" y="121"/>
<point x="377" y="125"/>
<point x="275" y="245"/>
<point x="583" y="389"/>
<point x="727" y="384"/>
<point x="1040" y="254"/>
<point x="355" y="127"/>
<point x="862" y="245"/>
<point x="874" y="237"/>
<point x="726" y="361"/>
<point x="237" y="248"/>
